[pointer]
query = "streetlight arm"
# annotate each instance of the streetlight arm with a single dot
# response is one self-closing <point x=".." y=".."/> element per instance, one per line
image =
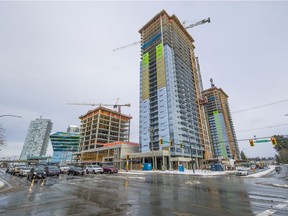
<point x="11" y="116"/>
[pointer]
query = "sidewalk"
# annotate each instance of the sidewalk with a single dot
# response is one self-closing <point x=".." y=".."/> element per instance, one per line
<point x="2" y="184"/>
<point x="197" y="172"/>
<point x="263" y="173"/>
<point x="185" y="172"/>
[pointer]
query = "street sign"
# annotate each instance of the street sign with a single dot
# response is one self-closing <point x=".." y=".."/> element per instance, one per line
<point x="261" y="141"/>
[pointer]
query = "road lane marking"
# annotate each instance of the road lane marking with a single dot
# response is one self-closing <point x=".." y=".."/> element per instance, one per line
<point x="280" y="206"/>
<point x="266" y="213"/>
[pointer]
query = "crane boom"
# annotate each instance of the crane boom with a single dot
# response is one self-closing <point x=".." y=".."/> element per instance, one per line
<point x="128" y="45"/>
<point x="190" y="26"/>
<point x="198" y="23"/>
<point x="94" y="104"/>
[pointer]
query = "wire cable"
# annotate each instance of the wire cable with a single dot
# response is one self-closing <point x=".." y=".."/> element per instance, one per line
<point x="260" y="106"/>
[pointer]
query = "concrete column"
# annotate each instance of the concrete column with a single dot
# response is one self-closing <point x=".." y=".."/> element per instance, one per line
<point x="196" y="163"/>
<point x="97" y="156"/>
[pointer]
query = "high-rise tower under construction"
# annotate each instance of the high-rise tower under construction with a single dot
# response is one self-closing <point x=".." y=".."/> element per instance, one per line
<point x="170" y="90"/>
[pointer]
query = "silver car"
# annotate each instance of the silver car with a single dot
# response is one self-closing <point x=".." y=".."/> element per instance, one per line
<point x="94" y="169"/>
<point x="24" y="171"/>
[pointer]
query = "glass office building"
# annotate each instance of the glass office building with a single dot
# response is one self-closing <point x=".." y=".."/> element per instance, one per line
<point x="64" y="144"/>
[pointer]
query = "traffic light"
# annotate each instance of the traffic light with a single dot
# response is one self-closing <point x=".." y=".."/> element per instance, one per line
<point x="251" y="141"/>
<point x="171" y="142"/>
<point x="127" y="157"/>
<point x="181" y="145"/>
<point x="273" y="140"/>
<point x="161" y="141"/>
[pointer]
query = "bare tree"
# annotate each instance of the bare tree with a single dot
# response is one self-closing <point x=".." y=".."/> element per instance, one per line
<point x="2" y="137"/>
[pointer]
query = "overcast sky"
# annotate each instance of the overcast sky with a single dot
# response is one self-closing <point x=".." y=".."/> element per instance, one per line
<point x="52" y="53"/>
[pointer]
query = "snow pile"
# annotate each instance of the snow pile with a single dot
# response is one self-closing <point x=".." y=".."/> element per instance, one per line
<point x="186" y="172"/>
<point x="263" y="173"/>
<point x="1" y="184"/>
<point x="278" y="185"/>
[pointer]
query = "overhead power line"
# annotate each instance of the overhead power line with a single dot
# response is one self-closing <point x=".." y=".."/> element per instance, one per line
<point x="272" y="126"/>
<point x="260" y="106"/>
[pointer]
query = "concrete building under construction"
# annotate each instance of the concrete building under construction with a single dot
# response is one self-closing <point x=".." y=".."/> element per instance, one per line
<point x="220" y="122"/>
<point x="103" y="125"/>
<point x="170" y="91"/>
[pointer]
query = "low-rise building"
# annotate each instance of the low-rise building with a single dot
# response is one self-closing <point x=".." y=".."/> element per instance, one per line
<point x="110" y="153"/>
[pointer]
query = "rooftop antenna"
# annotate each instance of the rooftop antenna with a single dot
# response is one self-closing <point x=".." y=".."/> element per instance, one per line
<point x="212" y="84"/>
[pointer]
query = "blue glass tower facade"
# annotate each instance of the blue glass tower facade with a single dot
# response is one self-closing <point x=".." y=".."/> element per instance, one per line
<point x="64" y="144"/>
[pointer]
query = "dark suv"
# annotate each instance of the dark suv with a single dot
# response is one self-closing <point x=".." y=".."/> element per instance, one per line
<point x="74" y="170"/>
<point x="36" y="173"/>
<point x="52" y="170"/>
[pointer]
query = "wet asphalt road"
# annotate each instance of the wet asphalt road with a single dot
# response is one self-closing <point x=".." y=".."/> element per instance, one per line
<point x="147" y="194"/>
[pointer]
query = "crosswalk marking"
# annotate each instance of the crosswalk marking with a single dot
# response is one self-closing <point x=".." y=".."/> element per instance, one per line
<point x="271" y="211"/>
<point x="266" y="213"/>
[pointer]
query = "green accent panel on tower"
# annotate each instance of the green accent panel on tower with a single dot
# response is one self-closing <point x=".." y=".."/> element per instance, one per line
<point x="145" y="77"/>
<point x="145" y="60"/>
<point x="159" y="50"/>
<point x="160" y="67"/>
<point x="219" y="130"/>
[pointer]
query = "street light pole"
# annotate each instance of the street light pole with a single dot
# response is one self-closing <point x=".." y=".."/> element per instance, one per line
<point x="152" y="146"/>
<point x="192" y="160"/>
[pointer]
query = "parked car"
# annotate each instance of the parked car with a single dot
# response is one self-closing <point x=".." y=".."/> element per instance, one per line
<point x="64" y="169"/>
<point x="36" y="173"/>
<point x="74" y="170"/>
<point x="241" y="172"/>
<point x="24" y="171"/>
<point x="94" y="169"/>
<point x="16" y="169"/>
<point x="52" y="170"/>
<point x="110" y="169"/>
<point x="278" y="169"/>
<point x="9" y="169"/>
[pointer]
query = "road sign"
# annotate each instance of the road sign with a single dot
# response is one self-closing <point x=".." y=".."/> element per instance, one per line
<point x="261" y="141"/>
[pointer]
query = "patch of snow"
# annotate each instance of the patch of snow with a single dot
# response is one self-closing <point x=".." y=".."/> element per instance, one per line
<point x="278" y="185"/>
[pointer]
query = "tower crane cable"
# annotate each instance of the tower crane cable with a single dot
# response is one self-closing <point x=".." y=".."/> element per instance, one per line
<point x="260" y="106"/>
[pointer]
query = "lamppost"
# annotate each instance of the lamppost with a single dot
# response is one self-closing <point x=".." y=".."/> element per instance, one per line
<point x="152" y="146"/>
<point x="192" y="159"/>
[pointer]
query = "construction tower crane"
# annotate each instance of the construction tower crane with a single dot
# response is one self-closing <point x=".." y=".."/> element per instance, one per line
<point x="94" y="104"/>
<point x="187" y="27"/>
<point x="198" y="23"/>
